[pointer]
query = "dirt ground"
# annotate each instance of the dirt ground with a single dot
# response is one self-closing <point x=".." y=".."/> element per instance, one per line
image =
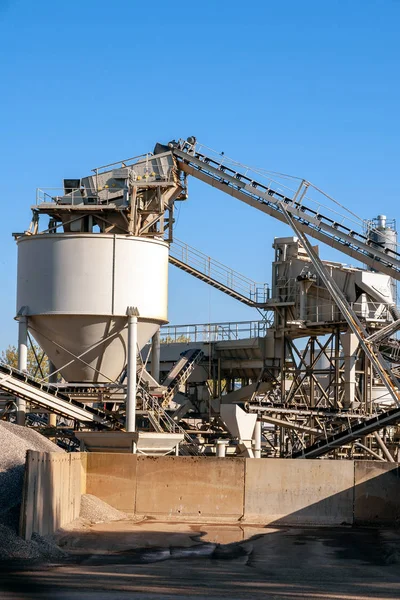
<point x="152" y="559"/>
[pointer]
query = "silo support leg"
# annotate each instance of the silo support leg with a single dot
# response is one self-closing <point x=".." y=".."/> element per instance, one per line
<point x="130" y="424"/>
<point x="257" y="439"/>
<point x="22" y="363"/>
<point x="155" y="356"/>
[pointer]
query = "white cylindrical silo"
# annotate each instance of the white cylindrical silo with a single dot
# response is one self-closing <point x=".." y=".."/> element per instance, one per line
<point x="383" y="234"/>
<point x="76" y="289"/>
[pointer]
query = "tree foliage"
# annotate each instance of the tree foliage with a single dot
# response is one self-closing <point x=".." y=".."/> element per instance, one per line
<point x="181" y="339"/>
<point x="9" y="356"/>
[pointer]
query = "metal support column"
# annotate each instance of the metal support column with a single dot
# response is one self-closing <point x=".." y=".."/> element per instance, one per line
<point x="155" y="356"/>
<point x="131" y="370"/>
<point x="257" y="439"/>
<point x="349" y="345"/>
<point x="22" y="361"/>
<point x="221" y="448"/>
<point x="383" y="447"/>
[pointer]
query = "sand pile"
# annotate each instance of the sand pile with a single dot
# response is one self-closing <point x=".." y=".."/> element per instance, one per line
<point x="96" y="511"/>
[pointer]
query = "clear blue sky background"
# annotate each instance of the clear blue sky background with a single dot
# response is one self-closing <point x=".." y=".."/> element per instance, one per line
<point x="307" y="87"/>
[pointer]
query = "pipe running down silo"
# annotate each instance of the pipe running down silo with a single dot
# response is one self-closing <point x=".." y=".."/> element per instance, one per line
<point x="131" y="371"/>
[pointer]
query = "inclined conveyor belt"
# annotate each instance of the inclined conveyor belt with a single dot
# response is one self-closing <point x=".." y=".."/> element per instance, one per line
<point x="46" y="396"/>
<point x="314" y="223"/>
<point x="350" y="434"/>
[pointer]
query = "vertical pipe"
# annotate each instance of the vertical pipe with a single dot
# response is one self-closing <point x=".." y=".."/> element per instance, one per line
<point x="219" y="377"/>
<point x="155" y="356"/>
<point x="22" y="363"/>
<point x="221" y="448"/>
<point x="257" y="440"/>
<point x="130" y="424"/>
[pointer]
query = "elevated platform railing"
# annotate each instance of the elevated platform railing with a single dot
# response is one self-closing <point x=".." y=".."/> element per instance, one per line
<point x="213" y="332"/>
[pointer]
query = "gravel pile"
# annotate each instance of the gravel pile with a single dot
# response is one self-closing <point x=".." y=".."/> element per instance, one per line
<point x="14" y="442"/>
<point x="38" y="548"/>
<point x="96" y="511"/>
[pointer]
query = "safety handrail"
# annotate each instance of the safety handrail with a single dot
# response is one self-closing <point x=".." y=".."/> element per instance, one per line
<point x="220" y="273"/>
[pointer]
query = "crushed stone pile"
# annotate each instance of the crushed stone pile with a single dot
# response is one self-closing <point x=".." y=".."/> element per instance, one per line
<point x="14" y="442"/>
<point x="38" y="548"/>
<point x="97" y="511"/>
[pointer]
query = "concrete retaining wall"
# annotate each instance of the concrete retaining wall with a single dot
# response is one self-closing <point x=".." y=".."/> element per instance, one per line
<point x="376" y="493"/>
<point x="112" y="477"/>
<point x="168" y="487"/>
<point x="52" y="492"/>
<point x="268" y="491"/>
<point x="190" y="487"/>
<point x="299" y="492"/>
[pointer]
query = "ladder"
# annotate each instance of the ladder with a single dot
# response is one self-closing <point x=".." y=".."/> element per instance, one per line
<point x="163" y="423"/>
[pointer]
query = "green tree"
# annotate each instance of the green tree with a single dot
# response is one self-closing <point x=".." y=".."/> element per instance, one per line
<point x="9" y="356"/>
<point x="181" y="339"/>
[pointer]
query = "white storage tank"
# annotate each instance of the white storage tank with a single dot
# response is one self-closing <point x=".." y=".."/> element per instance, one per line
<point x="76" y="289"/>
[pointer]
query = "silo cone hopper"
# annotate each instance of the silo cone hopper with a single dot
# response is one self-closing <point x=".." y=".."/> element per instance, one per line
<point x="101" y="344"/>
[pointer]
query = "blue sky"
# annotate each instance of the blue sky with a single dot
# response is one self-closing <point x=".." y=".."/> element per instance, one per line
<point x="309" y="88"/>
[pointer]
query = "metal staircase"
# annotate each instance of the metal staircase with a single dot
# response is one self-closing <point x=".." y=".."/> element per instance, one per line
<point x="236" y="180"/>
<point x="217" y="275"/>
<point x="180" y="373"/>
<point x="163" y="423"/>
<point x="22" y="385"/>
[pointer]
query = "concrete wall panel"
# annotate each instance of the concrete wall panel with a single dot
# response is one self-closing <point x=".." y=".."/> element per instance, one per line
<point x="112" y="477"/>
<point x="196" y="487"/>
<point x="52" y="492"/>
<point x="295" y="492"/>
<point x="377" y="493"/>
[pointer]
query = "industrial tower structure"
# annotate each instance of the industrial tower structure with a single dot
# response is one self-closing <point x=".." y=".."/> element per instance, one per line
<point x="316" y="375"/>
